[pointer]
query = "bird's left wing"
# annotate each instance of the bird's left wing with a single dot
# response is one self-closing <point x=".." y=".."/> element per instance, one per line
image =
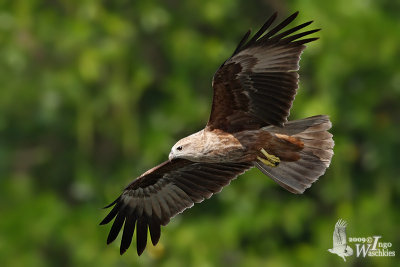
<point x="256" y="86"/>
<point x="339" y="234"/>
<point x="162" y="192"/>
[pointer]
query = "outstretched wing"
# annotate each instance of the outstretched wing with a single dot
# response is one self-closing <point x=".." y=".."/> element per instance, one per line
<point x="256" y="86"/>
<point x="339" y="235"/>
<point x="162" y="192"/>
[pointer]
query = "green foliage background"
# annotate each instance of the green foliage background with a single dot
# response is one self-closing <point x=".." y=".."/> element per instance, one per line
<point x="93" y="93"/>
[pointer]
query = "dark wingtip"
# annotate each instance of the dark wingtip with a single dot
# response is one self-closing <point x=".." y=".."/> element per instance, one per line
<point x="295" y="14"/>
<point x="127" y="235"/>
<point x="289" y="19"/>
<point x="122" y="251"/>
<point x="112" y="214"/>
<point x="314" y="31"/>
<point x="242" y="42"/>
<point x="117" y="225"/>
<point x="111" y="237"/>
<point x="305" y="24"/>
<point x="304" y="41"/>
<point x="140" y="248"/>
<point x="112" y="203"/>
<point x="140" y="251"/>
<point x="141" y="235"/>
<point x="107" y="219"/>
<point x="292" y="17"/>
<point x="155" y="231"/>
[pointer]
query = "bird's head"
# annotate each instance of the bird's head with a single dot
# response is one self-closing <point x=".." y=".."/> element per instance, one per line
<point x="186" y="148"/>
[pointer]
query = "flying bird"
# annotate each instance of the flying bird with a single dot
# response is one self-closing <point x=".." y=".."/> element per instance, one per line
<point x="340" y="246"/>
<point x="253" y="92"/>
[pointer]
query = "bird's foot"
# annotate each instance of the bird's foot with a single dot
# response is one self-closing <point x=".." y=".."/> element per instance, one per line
<point x="270" y="160"/>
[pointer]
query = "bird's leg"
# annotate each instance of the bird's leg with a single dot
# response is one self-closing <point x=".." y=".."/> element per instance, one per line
<point x="270" y="160"/>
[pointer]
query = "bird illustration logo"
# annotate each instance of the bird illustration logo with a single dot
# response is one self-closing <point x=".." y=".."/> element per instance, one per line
<point x="340" y="246"/>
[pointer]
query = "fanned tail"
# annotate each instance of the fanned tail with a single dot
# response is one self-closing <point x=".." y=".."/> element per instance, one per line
<point x="315" y="157"/>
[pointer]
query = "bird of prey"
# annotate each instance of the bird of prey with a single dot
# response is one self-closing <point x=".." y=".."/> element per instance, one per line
<point x="340" y="246"/>
<point x="253" y="92"/>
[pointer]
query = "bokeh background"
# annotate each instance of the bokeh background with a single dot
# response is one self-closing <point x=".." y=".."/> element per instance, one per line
<point x="93" y="93"/>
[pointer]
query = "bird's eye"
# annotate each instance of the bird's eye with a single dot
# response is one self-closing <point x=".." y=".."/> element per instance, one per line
<point x="179" y="148"/>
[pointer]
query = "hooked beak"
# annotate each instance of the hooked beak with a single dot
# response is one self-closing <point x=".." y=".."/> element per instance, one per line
<point x="171" y="156"/>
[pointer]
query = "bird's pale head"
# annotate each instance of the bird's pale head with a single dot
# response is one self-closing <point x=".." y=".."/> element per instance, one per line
<point x="187" y="148"/>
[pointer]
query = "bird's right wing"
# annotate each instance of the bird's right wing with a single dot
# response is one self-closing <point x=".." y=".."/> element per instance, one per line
<point x="162" y="192"/>
<point x="339" y="234"/>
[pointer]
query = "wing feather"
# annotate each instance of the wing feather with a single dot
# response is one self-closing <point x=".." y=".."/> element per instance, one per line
<point x="117" y="225"/>
<point x="159" y="194"/>
<point x="141" y="234"/>
<point x="155" y="231"/>
<point x="259" y="69"/>
<point x="155" y="205"/>
<point x="129" y="228"/>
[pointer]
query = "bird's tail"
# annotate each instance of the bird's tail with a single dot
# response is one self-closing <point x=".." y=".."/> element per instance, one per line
<point x="313" y="156"/>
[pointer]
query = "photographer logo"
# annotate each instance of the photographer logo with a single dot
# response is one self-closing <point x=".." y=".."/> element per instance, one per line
<point x="372" y="246"/>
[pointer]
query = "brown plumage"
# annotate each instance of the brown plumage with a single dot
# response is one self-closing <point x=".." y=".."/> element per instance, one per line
<point x="253" y="93"/>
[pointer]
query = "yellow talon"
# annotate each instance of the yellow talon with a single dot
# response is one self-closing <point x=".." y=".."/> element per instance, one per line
<point x="270" y="157"/>
<point x="266" y="162"/>
<point x="270" y="160"/>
